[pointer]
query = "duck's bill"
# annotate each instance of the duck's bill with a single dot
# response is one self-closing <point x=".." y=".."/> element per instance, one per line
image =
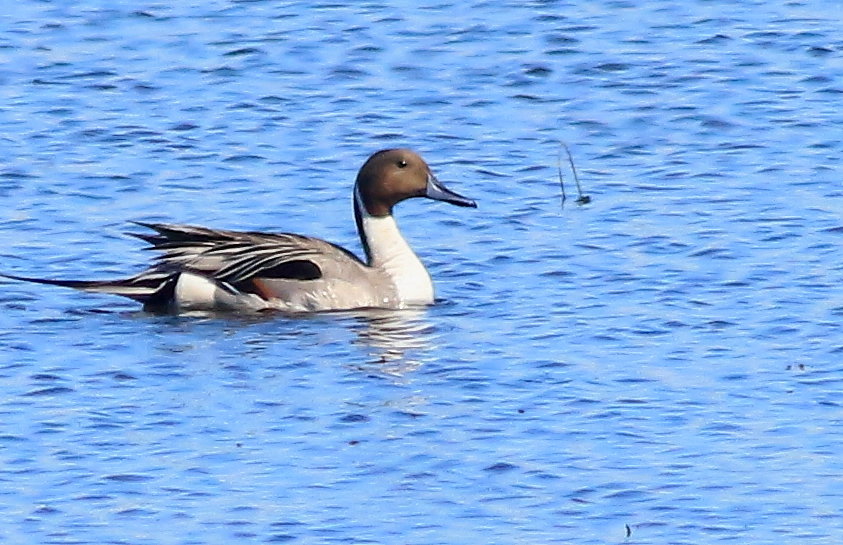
<point x="438" y="192"/>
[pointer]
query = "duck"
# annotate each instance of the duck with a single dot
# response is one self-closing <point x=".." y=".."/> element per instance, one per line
<point x="205" y="269"/>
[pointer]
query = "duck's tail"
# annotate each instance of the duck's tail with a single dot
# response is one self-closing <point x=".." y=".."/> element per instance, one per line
<point x="164" y="291"/>
<point x="142" y="288"/>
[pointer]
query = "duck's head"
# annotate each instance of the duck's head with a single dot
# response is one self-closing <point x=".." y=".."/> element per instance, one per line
<point x="393" y="175"/>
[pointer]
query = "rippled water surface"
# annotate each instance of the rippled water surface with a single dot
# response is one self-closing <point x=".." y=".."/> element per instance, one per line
<point x="662" y="365"/>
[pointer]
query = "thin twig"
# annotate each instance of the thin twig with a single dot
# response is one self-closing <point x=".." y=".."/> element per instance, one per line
<point x="582" y="199"/>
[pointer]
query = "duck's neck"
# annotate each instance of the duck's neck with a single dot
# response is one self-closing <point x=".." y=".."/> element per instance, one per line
<point x="387" y="250"/>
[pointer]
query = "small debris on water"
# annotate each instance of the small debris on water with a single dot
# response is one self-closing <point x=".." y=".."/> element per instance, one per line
<point x="581" y="199"/>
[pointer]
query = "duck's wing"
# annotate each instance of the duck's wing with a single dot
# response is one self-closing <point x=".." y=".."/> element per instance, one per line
<point x="237" y="257"/>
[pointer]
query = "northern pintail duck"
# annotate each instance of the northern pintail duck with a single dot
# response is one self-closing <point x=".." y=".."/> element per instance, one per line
<point x="214" y="269"/>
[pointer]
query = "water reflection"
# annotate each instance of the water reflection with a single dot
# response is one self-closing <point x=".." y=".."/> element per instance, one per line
<point x="393" y="342"/>
<point x="396" y="341"/>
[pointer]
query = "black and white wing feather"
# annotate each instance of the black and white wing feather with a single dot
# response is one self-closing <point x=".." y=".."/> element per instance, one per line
<point x="235" y="257"/>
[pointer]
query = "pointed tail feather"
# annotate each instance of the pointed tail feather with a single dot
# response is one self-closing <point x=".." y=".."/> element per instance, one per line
<point x="137" y="288"/>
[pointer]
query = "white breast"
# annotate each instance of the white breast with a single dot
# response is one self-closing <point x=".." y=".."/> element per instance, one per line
<point x="390" y="252"/>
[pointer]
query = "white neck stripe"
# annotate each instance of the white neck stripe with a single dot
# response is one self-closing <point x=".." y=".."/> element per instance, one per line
<point x="387" y="250"/>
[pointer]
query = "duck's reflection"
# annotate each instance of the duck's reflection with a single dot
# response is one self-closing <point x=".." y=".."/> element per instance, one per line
<point x="396" y="341"/>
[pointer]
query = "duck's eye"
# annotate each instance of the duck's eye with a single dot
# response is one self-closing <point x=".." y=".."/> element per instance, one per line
<point x="401" y="163"/>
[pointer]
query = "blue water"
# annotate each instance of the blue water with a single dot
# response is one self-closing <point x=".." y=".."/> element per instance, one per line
<point x="662" y="365"/>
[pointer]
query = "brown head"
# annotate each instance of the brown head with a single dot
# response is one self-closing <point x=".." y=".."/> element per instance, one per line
<point x="392" y="175"/>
